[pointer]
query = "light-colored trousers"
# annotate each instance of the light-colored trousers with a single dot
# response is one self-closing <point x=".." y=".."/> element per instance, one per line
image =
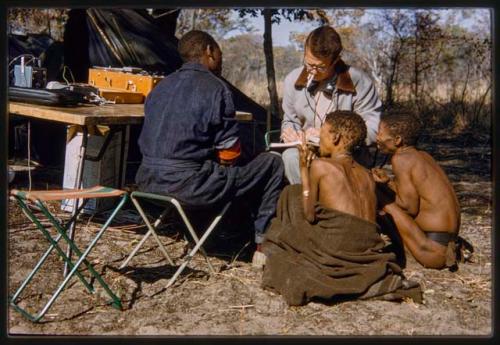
<point x="291" y="163"/>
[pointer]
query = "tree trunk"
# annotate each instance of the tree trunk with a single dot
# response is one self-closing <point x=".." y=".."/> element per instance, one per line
<point x="389" y="99"/>
<point x="193" y="19"/>
<point x="48" y="22"/>
<point x="271" y="78"/>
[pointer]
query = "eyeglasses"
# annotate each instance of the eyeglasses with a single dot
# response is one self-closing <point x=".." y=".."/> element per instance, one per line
<point x="320" y="69"/>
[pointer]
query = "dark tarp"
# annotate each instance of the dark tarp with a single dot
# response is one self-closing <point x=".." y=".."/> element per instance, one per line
<point x="129" y="37"/>
<point x="41" y="46"/>
<point x="34" y="44"/>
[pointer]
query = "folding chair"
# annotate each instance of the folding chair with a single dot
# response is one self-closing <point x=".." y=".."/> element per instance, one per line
<point x="165" y="200"/>
<point x="37" y="198"/>
<point x="271" y="135"/>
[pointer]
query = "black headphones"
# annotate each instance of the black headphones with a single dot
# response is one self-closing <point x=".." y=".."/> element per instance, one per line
<point x="329" y="88"/>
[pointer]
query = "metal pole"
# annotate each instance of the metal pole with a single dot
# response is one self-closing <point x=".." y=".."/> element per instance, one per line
<point x="78" y="183"/>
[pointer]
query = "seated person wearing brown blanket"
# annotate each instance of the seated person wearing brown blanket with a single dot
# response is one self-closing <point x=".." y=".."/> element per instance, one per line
<point x="324" y="241"/>
<point x="424" y="206"/>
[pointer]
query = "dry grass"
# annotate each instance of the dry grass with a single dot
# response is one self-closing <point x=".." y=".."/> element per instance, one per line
<point x="231" y="302"/>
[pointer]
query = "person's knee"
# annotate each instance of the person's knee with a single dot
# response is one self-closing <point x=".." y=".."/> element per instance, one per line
<point x="432" y="255"/>
<point x="290" y="155"/>
<point x="274" y="160"/>
<point x="291" y="165"/>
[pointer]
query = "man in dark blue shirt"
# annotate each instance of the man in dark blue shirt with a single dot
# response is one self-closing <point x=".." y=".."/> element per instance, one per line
<point x="190" y="139"/>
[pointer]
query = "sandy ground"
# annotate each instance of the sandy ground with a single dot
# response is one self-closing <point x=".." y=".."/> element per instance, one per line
<point x="231" y="301"/>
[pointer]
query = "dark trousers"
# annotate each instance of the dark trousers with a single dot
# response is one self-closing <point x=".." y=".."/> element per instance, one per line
<point x="258" y="182"/>
<point x="261" y="180"/>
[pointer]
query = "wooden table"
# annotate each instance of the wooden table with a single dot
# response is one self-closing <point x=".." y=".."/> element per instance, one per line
<point x="116" y="116"/>
<point x="108" y="114"/>
<point x="112" y="115"/>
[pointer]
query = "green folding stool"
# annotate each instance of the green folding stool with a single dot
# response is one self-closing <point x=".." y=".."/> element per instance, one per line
<point x="38" y="199"/>
<point x="164" y="201"/>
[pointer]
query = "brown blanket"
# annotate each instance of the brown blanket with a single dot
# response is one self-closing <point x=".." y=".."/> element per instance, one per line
<point x="338" y="255"/>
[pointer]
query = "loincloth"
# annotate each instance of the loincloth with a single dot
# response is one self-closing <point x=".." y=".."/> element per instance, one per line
<point x="456" y="247"/>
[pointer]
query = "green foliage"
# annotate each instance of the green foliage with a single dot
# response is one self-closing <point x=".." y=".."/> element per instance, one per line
<point x="288" y="14"/>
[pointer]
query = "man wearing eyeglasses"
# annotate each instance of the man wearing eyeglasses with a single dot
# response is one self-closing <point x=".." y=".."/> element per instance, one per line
<point x="322" y="85"/>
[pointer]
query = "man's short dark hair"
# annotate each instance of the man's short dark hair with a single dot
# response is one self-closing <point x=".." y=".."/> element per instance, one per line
<point x="194" y="43"/>
<point x="404" y="124"/>
<point x="350" y="125"/>
<point x="324" y="42"/>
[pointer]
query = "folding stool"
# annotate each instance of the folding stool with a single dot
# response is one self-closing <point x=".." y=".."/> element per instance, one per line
<point x="38" y="198"/>
<point x="152" y="230"/>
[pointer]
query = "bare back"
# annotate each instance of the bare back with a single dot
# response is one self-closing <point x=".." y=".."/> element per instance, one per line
<point x="438" y="207"/>
<point x="346" y="186"/>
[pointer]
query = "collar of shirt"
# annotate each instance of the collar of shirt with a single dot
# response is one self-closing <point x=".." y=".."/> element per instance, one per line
<point x="196" y="66"/>
<point x="341" y="78"/>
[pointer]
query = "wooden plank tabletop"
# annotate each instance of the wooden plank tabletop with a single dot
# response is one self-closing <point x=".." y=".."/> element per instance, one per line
<point x="108" y="114"/>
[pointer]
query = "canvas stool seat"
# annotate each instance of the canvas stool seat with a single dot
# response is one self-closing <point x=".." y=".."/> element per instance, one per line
<point x="167" y="201"/>
<point x="38" y="199"/>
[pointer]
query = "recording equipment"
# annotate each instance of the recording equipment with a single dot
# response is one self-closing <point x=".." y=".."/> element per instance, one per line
<point x="129" y="79"/>
<point x="312" y="85"/>
<point x="30" y="76"/>
<point x="310" y="78"/>
<point x="124" y="84"/>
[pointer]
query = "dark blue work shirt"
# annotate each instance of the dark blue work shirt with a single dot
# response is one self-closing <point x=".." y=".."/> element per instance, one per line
<point x="188" y="115"/>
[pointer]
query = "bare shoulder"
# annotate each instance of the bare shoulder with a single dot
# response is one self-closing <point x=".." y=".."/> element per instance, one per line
<point x="323" y="166"/>
<point x="405" y="161"/>
<point x="365" y="174"/>
<point x="427" y="156"/>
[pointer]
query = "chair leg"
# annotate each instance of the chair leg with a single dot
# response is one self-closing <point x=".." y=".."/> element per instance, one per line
<point x="198" y="242"/>
<point x="198" y="245"/>
<point x="192" y="232"/>
<point x="54" y="245"/>
<point x="82" y="259"/>
<point x="151" y="231"/>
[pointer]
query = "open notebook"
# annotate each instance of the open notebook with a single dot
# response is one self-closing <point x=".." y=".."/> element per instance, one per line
<point x="314" y="141"/>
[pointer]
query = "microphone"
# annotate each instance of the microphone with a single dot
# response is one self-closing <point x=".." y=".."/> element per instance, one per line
<point x="310" y="78"/>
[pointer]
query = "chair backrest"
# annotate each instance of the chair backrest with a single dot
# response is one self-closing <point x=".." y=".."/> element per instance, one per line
<point x="270" y="136"/>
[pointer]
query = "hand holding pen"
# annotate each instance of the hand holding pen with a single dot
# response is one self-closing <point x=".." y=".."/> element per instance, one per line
<point x="306" y="154"/>
<point x="289" y="134"/>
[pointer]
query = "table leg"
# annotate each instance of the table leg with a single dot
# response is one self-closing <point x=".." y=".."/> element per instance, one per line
<point x="254" y="130"/>
<point x="78" y="182"/>
<point x="123" y="131"/>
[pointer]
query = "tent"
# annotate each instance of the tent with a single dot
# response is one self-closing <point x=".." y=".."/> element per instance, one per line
<point x="131" y="37"/>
